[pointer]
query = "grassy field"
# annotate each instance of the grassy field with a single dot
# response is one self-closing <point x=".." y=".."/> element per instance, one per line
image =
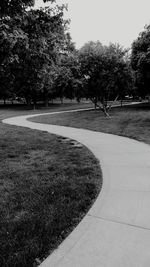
<point x="46" y="187"/>
<point x="131" y="121"/>
<point x="19" y="109"/>
<point x="47" y="184"/>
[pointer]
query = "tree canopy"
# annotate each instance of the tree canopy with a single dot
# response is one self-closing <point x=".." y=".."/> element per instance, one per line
<point x="106" y="71"/>
<point x="14" y="7"/>
<point x="140" y="60"/>
<point x="31" y="44"/>
<point x="38" y="59"/>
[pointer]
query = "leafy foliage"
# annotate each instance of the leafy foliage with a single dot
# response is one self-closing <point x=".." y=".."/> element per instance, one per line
<point x="12" y="40"/>
<point x="38" y="59"/>
<point x="106" y="71"/>
<point x="14" y="7"/>
<point x="31" y="44"/>
<point x="69" y="78"/>
<point x="140" y="60"/>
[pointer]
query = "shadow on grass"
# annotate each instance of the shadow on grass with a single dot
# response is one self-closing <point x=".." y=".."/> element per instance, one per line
<point x="46" y="187"/>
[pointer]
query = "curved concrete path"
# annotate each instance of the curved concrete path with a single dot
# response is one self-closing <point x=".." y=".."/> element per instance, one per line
<point x="116" y="230"/>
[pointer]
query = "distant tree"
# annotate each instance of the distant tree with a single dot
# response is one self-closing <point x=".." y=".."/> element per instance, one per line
<point x="140" y="61"/>
<point x="69" y="76"/>
<point x="106" y="71"/>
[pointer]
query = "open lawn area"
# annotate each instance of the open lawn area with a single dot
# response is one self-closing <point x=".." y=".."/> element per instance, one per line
<point x="46" y="183"/>
<point x="46" y="186"/>
<point x="131" y="121"/>
<point x="20" y="109"/>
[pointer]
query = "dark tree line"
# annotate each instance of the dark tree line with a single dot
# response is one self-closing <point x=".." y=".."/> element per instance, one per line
<point x="38" y="60"/>
<point x="31" y="43"/>
<point x="140" y="61"/>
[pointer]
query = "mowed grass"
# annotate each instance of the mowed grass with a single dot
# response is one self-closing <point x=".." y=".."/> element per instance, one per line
<point x="131" y="121"/>
<point x="46" y="187"/>
<point x="20" y="109"/>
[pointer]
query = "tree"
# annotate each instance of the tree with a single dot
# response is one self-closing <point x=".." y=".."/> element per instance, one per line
<point x="12" y="39"/>
<point x="69" y="77"/>
<point x="106" y="71"/>
<point x="31" y="44"/>
<point x="45" y="30"/>
<point x="140" y="61"/>
<point x="14" y="7"/>
<point x="11" y="8"/>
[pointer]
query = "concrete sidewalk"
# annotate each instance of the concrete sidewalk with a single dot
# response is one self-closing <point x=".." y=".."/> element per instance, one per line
<point x="116" y="230"/>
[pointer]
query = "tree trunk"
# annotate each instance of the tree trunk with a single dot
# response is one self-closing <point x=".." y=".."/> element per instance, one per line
<point x="121" y="102"/>
<point x="28" y="101"/>
<point x="95" y="103"/>
<point x="34" y="103"/>
<point x="110" y="106"/>
<point x="46" y="100"/>
<point x="105" y="109"/>
<point x="61" y="100"/>
<point x="4" y="102"/>
<point x="78" y="99"/>
<point x="106" y="113"/>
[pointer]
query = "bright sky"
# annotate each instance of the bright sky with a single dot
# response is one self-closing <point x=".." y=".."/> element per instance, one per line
<point x="117" y="21"/>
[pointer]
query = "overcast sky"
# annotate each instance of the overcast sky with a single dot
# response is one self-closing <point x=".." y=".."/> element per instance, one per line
<point x="117" y="21"/>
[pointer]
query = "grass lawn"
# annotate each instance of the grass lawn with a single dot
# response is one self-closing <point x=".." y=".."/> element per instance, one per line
<point x="20" y="109"/>
<point x="46" y="187"/>
<point x="131" y="121"/>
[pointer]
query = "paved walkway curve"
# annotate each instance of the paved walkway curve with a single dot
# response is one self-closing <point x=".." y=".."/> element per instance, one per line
<point x="116" y="230"/>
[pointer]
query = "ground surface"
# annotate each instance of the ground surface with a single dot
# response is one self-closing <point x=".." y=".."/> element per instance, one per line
<point x="132" y="121"/>
<point x="47" y="184"/>
<point x="19" y="109"/>
<point x="116" y="230"/>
